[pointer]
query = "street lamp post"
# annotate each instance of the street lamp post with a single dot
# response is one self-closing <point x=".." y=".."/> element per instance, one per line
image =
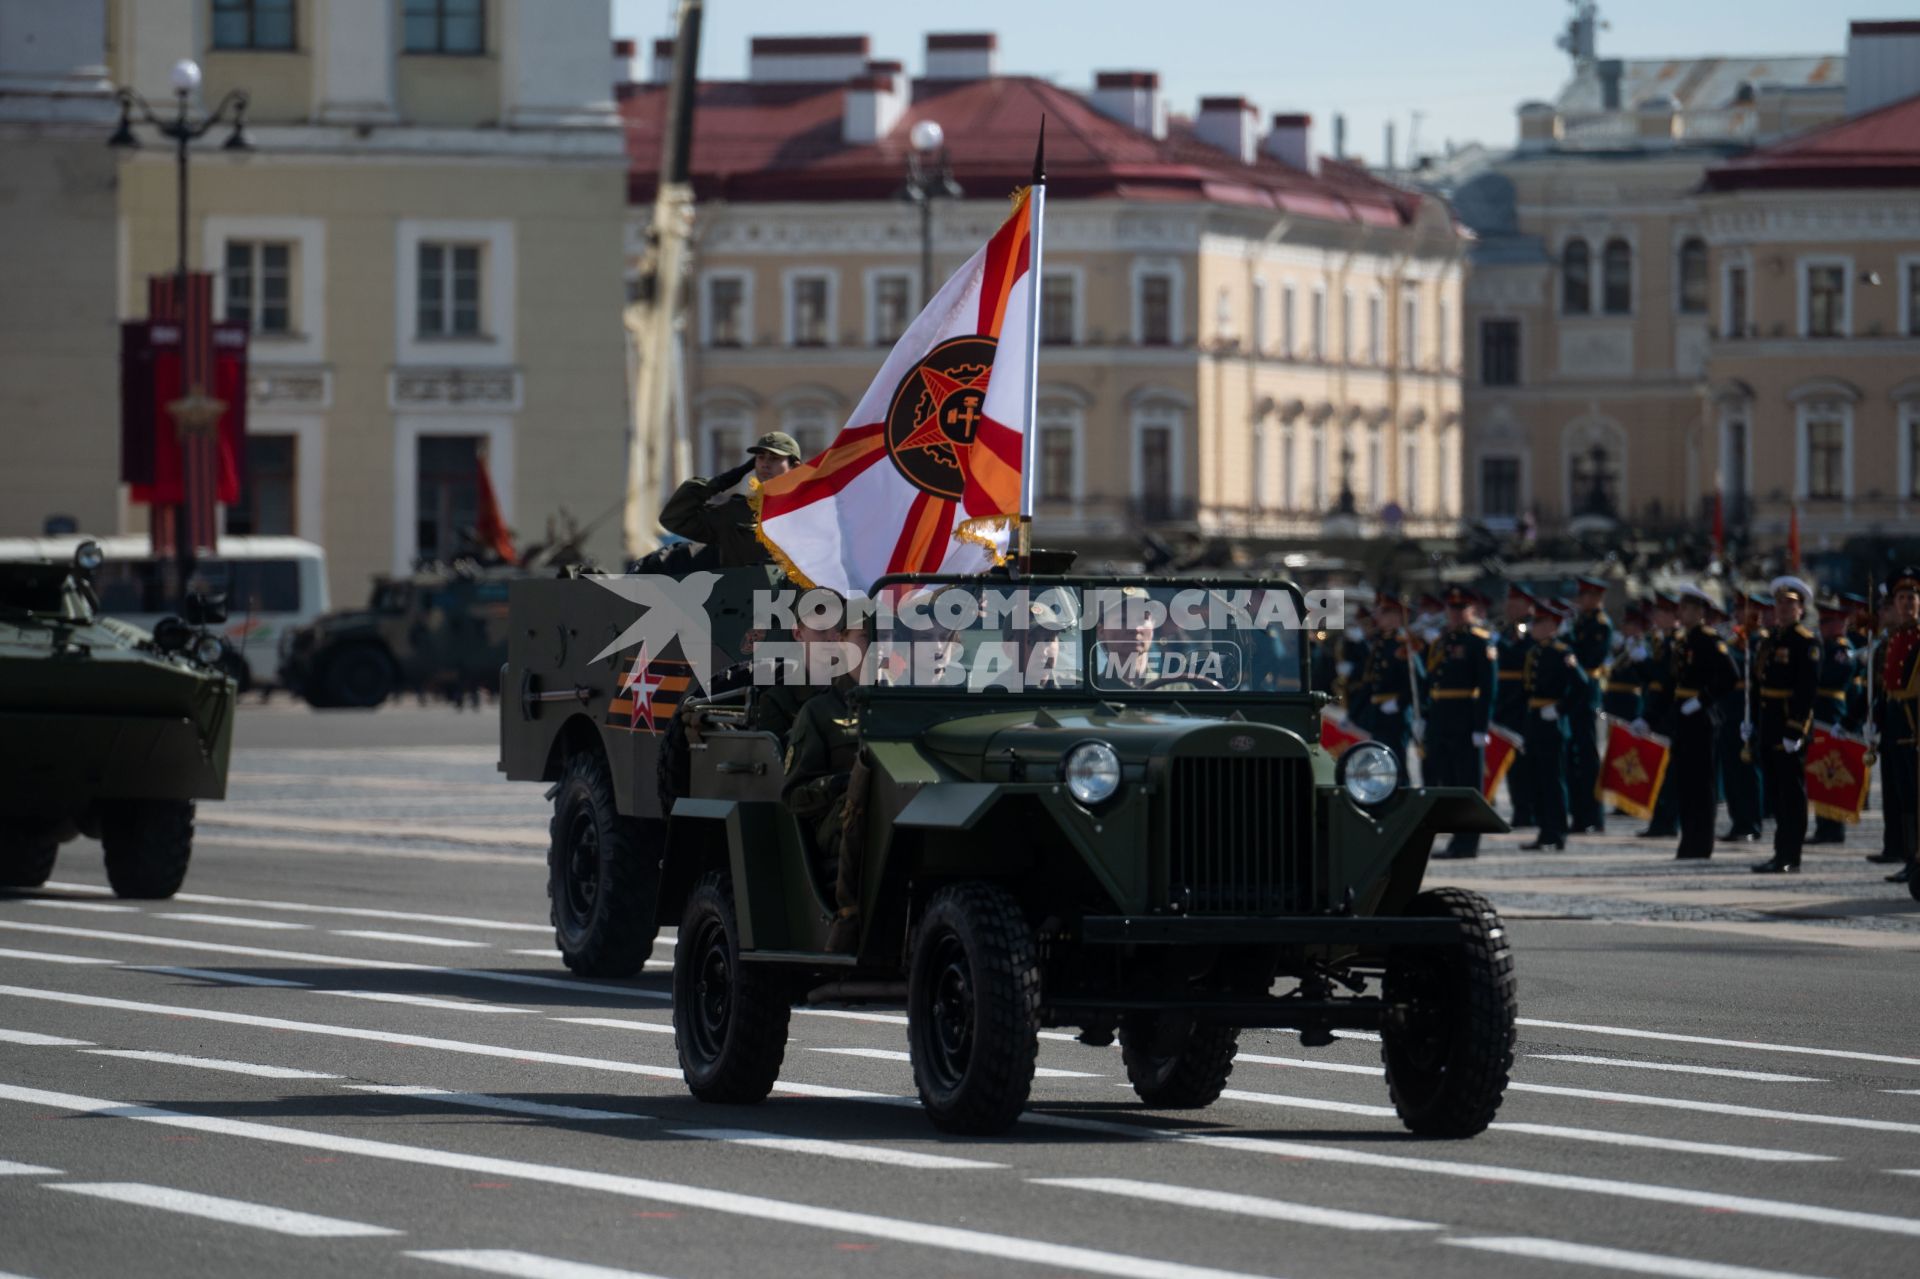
<point x="198" y="412"/>
<point x="929" y="178"/>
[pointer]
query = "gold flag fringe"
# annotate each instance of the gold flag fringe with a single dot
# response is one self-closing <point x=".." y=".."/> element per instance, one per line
<point x="773" y="550"/>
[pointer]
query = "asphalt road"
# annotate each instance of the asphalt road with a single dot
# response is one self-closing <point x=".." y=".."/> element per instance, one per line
<point x="348" y="1046"/>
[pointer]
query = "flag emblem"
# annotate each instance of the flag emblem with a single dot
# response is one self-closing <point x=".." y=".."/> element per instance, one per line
<point x="1630" y="771"/>
<point x="938" y="414"/>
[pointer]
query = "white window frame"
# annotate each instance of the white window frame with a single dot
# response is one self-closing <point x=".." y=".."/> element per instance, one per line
<point x="1376" y="328"/>
<point x="1522" y="489"/>
<point x="1803" y="271"/>
<point x="309" y="466"/>
<point x="1158" y="413"/>
<point x="870" y="294"/>
<point x="1908" y="262"/>
<point x="1410" y="473"/>
<point x="1593" y="277"/>
<point x="1729" y="414"/>
<point x="1908" y="418"/>
<point x="307" y="344"/>
<point x="801" y="414"/>
<point x="1176" y="299"/>
<point x="790" y="310"/>
<point x="1054" y="412"/>
<point x="1732" y="263"/>
<point x="1679" y="273"/>
<point x="1410" y="325"/>
<point x="745" y="279"/>
<point x="408" y="429"/>
<point x="1289" y="330"/>
<point x="1258" y="334"/>
<point x="724" y="415"/>
<point x="494" y="345"/>
<point x="1803" y="416"/>
<point x="1317" y="323"/>
<point x="1079" y="277"/>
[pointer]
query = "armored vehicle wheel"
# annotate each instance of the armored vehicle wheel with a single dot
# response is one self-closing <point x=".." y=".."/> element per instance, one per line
<point x="973" y="1009"/>
<point x="729" y="1018"/>
<point x="603" y="882"/>
<point x="1913" y="887"/>
<point x="358" y="675"/>
<point x="26" y="861"/>
<point x="1447" y="1063"/>
<point x="1174" y="1063"/>
<point x="148" y="842"/>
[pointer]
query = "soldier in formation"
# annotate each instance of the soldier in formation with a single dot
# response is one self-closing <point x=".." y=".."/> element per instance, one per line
<point x="1591" y="641"/>
<point x="1555" y="684"/>
<point x="1740" y="769"/>
<point x="1896" y="728"/>
<point x="1786" y="673"/>
<point x="1657" y="705"/>
<point x="1385" y="693"/>
<point x="1839" y="699"/>
<point x="1510" y="698"/>
<point x="1459" y="699"/>
<point x="1702" y="675"/>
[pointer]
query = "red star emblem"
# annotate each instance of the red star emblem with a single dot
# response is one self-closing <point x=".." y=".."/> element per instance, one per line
<point x="640" y="683"/>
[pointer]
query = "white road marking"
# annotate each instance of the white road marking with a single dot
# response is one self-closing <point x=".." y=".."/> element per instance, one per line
<point x="1902" y="1092"/>
<point x="211" y="1063"/>
<point x="1639" y="1263"/>
<point x="214" y="974"/>
<point x="834" y="1149"/>
<point x="32" y="1040"/>
<point x="10" y="1169"/>
<point x="1753" y="1045"/>
<point x="896" y="1054"/>
<point x="1309" y="1063"/>
<point x="1243" y="1205"/>
<point x="487" y="1101"/>
<point x="357" y="912"/>
<point x="619" y="1023"/>
<point x="54" y="957"/>
<point x="423" y="1001"/>
<point x="1719" y="1108"/>
<point x="236" y="1212"/>
<point x="1758" y="1076"/>
<point x="1308" y="1103"/>
<point x="104" y="908"/>
<point x="237" y="921"/>
<point x="410" y="939"/>
<point x="922" y="1234"/>
<point x="537" y="952"/>
<point x="847" y="1014"/>
<point x="523" y="1265"/>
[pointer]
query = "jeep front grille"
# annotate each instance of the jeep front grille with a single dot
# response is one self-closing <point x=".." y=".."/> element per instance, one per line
<point x="1241" y="835"/>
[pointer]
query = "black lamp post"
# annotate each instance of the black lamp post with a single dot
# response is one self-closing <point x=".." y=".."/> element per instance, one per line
<point x="929" y="178"/>
<point x="197" y="412"/>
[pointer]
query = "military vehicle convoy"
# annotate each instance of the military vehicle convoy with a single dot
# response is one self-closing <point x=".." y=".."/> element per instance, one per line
<point x="1145" y="839"/>
<point x="105" y="730"/>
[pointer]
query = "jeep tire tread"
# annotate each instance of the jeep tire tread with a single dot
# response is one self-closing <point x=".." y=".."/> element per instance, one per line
<point x="1174" y="1063"/>
<point x="973" y="1009"/>
<point x="359" y="674"/>
<point x="1447" y="1065"/>
<point x="729" y="1018"/>
<point x="148" y="843"/>
<point x="26" y="861"/>
<point x="603" y="880"/>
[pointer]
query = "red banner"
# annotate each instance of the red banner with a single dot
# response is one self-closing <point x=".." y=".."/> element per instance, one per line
<point x="1837" y="776"/>
<point x="1337" y="735"/>
<point x="1503" y="745"/>
<point x="1633" y="769"/>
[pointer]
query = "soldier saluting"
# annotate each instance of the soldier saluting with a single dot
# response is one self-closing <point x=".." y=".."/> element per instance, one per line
<point x="1787" y="669"/>
<point x="1460" y="670"/>
<point x="703" y="510"/>
<point x="1702" y="674"/>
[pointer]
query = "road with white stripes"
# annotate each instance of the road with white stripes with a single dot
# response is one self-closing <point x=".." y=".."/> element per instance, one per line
<point x="348" y="1046"/>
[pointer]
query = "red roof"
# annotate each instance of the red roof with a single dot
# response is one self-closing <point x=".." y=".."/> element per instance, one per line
<point x="765" y="141"/>
<point x="1878" y="148"/>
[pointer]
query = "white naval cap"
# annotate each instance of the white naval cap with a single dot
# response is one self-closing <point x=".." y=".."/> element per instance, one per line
<point x="1797" y="585"/>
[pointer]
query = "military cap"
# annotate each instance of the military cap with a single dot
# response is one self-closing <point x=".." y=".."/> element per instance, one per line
<point x="1664" y="599"/>
<point x="1462" y="596"/>
<point x="1515" y="591"/>
<point x="1904" y="579"/>
<point x="1789" y="584"/>
<point x="1636" y="615"/>
<point x="1386" y="599"/>
<point x="1546" y="608"/>
<point x="778" y="443"/>
<point x="1584" y="585"/>
<point x="1694" y="593"/>
<point x="1430" y="603"/>
<point x="1855" y="602"/>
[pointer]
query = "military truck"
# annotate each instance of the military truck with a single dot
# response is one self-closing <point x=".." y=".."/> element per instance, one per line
<point x="1145" y="839"/>
<point x="106" y="730"/>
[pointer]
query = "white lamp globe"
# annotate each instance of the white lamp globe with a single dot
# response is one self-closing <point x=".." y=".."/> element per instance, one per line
<point x="926" y="136"/>
<point x="185" y="76"/>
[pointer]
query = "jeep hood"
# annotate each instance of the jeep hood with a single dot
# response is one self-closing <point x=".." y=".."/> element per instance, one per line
<point x="997" y="747"/>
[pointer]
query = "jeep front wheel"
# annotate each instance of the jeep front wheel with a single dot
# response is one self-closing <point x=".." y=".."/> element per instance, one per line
<point x="1173" y="1062"/>
<point x="148" y="843"/>
<point x="1447" y="1059"/>
<point x="973" y="1009"/>
<point x="26" y="858"/>
<point x="729" y="1018"/>
<point x="359" y="675"/>
<point x="603" y="881"/>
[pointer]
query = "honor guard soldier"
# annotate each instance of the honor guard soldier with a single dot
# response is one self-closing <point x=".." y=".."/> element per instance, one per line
<point x="1386" y="681"/>
<point x="1620" y="694"/>
<point x="1835" y="697"/>
<point x="1702" y="676"/>
<point x="1740" y="768"/>
<point x="1656" y="703"/>
<point x="1350" y="665"/>
<point x="703" y="510"/>
<point x="1786" y="672"/>
<point x="1555" y="683"/>
<point x="1897" y="712"/>
<point x="1460" y="683"/>
<point x="1592" y="644"/>
<point x="1510" y="698"/>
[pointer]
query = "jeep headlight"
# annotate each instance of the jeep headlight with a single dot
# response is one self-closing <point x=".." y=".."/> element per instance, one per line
<point x="1091" y="771"/>
<point x="208" y="650"/>
<point x="1369" y="771"/>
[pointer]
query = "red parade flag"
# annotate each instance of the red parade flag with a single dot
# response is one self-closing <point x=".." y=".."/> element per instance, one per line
<point x="1633" y="770"/>
<point x="1837" y="776"/>
<point x="489" y="528"/>
<point x="1337" y="735"/>
<point x="1497" y="757"/>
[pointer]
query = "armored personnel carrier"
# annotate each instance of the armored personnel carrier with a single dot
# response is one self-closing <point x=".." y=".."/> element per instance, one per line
<point x="105" y="730"/>
<point x="1139" y="836"/>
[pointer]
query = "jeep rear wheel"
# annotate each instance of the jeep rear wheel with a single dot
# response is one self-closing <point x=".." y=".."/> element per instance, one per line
<point x="973" y="1009"/>
<point x="148" y="843"/>
<point x="603" y="878"/>
<point x="729" y="1018"/>
<point x="26" y="858"/>
<point x="359" y="675"/>
<point x="1447" y="1061"/>
<point x="1175" y="1063"/>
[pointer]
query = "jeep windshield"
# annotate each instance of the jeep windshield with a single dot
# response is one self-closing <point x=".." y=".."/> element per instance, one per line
<point x="1110" y="639"/>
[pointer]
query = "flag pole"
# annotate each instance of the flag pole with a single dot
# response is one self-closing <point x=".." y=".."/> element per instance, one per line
<point x="1036" y="221"/>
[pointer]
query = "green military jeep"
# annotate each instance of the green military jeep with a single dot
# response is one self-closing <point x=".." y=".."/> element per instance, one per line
<point x="1086" y="803"/>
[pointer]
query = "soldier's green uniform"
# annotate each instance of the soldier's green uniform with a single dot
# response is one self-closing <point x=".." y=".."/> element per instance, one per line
<point x="823" y="753"/>
<point x="777" y="707"/>
<point x="726" y="525"/>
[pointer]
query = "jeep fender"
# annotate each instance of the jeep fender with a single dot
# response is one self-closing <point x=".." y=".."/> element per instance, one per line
<point x="1400" y="833"/>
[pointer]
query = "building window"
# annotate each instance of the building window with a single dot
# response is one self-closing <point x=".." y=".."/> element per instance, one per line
<point x="1734" y="324"/>
<point x="1056" y="311"/>
<point x="1410" y="326"/>
<point x="1500" y="488"/>
<point x="1910" y="284"/>
<point x="1825" y="430"/>
<point x="726" y="311"/>
<point x="811" y="425"/>
<point x="266" y="505"/>
<point x="1910" y="436"/>
<point x="726" y="433"/>
<point x="1317" y="471"/>
<point x="1258" y="329"/>
<point x="1693" y="277"/>
<point x="253" y="24"/>
<point x="809" y="311"/>
<point x="1289" y="345"/>
<point x="1318" y="323"/>
<point x="1376" y="470"/>
<point x="1156" y="310"/>
<point x="449" y="301"/>
<point x="1057" y="460"/>
<point x="1156" y="471"/>
<point x="1825" y="287"/>
<point x="1410" y="476"/>
<point x="892" y="304"/>
<point x="259" y="285"/>
<point x="1286" y="469"/>
<point x="444" y="26"/>
<point x="1576" y="278"/>
<point x="1617" y="278"/>
<point x="1499" y="353"/>
<point x="448" y="491"/>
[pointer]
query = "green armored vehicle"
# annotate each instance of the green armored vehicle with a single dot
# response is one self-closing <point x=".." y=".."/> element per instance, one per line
<point x="1077" y="802"/>
<point x="105" y="730"/>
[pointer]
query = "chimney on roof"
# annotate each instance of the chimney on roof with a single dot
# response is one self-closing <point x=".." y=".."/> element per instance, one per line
<point x="806" y="59"/>
<point x="1610" y="70"/>
<point x="662" y="62"/>
<point x="625" y="55"/>
<point x="1229" y="124"/>
<point x="963" y="55"/>
<point x="1656" y="120"/>
<point x="1539" y="126"/>
<point x="1339" y="137"/>
<point x="1883" y="64"/>
<point x="1290" y="141"/>
<point x="1131" y="97"/>
<point x="874" y="103"/>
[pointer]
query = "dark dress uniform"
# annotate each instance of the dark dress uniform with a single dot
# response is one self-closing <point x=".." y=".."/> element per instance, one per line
<point x="1620" y="693"/>
<point x="1510" y="713"/>
<point x="1554" y="681"/>
<point x="1460" y="683"/>
<point x="1656" y="708"/>
<point x="1740" y="766"/>
<point x="1703" y="675"/>
<point x="1787" y="670"/>
<point x="1897" y="711"/>
<point x="1386" y="681"/>
<point x="1834" y="708"/>
<point x="1592" y="645"/>
<point x="1349" y="672"/>
<point x="821" y="751"/>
